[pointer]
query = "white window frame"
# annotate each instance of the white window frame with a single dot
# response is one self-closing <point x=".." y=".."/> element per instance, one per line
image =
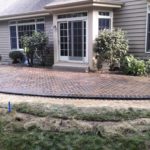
<point x="106" y="17"/>
<point x="84" y="18"/>
<point x="16" y="24"/>
<point x="146" y="36"/>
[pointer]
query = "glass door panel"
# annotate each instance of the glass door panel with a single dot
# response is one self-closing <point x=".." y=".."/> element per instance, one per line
<point x="73" y="40"/>
<point x="63" y="39"/>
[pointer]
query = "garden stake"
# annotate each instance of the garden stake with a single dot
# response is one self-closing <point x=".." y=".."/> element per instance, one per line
<point x="9" y="107"/>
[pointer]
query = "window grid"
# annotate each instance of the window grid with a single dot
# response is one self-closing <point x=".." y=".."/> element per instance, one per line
<point x="72" y="15"/>
<point x="105" y="20"/>
<point x="73" y="39"/>
<point x="104" y="24"/>
<point x="22" y="28"/>
<point x="104" y="13"/>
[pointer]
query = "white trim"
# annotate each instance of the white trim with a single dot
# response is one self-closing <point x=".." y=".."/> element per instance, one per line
<point x="107" y="5"/>
<point x="24" y="16"/>
<point x="63" y="7"/>
<point x="72" y="19"/>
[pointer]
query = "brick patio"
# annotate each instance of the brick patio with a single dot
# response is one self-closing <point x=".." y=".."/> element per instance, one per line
<point x="47" y="82"/>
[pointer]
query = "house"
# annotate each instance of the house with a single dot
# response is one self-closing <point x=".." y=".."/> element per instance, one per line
<point x="73" y="25"/>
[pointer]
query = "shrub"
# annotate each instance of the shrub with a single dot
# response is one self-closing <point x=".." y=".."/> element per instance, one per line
<point x="35" y="44"/>
<point x="17" y="56"/>
<point x="133" y="66"/>
<point x="148" y="66"/>
<point x="111" y="46"/>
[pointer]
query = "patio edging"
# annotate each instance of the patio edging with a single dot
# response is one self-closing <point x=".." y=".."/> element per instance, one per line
<point x="102" y="97"/>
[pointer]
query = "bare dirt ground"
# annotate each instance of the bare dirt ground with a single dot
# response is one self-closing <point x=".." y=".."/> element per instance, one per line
<point x="142" y="104"/>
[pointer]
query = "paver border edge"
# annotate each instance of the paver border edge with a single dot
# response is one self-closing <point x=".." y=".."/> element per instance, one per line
<point x="81" y="97"/>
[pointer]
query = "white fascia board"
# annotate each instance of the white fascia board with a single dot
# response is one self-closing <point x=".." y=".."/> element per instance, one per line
<point x="26" y="15"/>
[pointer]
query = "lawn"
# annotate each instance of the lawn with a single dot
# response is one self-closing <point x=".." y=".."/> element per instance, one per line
<point x="55" y="127"/>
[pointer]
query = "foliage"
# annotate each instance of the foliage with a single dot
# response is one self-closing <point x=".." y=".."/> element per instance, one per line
<point x="148" y="66"/>
<point x="111" y="46"/>
<point x="17" y="56"/>
<point x="35" y="44"/>
<point x="88" y="114"/>
<point x="109" y="135"/>
<point x="43" y="140"/>
<point x="133" y="66"/>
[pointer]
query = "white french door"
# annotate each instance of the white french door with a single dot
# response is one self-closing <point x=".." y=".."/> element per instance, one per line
<point x="73" y="40"/>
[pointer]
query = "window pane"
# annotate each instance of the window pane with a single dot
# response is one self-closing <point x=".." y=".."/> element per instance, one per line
<point x="148" y="42"/>
<point x="148" y="34"/>
<point x="104" y="24"/>
<point x="40" y="27"/>
<point x="13" y="43"/>
<point x="40" y="20"/>
<point x="13" y="37"/>
<point x="104" y="13"/>
<point x="23" y="30"/>
<point x="72" y="15"/>
<point x="13" y="31"/>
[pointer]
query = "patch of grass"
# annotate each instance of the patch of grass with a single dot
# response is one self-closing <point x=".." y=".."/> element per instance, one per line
<point x="36" y="139"/>
<point x="65" y="129"/>
<point x="88" y="114"/>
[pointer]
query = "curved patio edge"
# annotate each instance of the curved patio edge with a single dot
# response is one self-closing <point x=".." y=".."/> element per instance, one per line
<point x="82" y="97"/>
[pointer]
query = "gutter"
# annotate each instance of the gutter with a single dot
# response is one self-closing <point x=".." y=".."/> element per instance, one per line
<point x="25" y="15"/>
<point x="63" y="6"/>
<point x="102" y="3"/>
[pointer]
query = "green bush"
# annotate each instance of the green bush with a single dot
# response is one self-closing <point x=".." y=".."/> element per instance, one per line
<point x="111" y="46"/>
<point x="35" y="45"/>
<point x="133" y="66"/>
<point x="148" y="66"/>
<point x="17" y="56"/>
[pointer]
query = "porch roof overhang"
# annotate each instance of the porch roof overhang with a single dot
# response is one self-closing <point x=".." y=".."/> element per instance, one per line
<point x="68" y="4"/>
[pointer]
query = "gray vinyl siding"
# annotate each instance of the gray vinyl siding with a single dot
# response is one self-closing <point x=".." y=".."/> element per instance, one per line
<point x="49" y="29"/>
<point x="132" y="19"/>
<point x="5" y="47"/>
<point x="49" y="33"/>
<point x="4" y="41"/>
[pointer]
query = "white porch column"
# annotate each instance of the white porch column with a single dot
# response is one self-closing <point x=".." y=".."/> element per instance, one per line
<point x="92" y="34"/>
<point x="55" y="36"/>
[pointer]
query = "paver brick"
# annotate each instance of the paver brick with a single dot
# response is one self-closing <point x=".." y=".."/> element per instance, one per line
<point x="48" y="82"/>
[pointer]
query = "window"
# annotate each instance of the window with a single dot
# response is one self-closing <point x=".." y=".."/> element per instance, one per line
<point x="104" y="13"/>
<point x="22" y="28"/>
<point x="13" y="36"/>
<point x="104" y="24"/>
<point x="104" y="20"/>
<point x="148" y="34"/>
<point x="25" y="30"/>
<point x="72" y="15"/>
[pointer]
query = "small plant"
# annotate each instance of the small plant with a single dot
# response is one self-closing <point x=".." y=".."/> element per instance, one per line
<point x="111" y="46"/>
<point x="148" y="66"/>
<point x="133" y="66"/>
<point x="17" y="56"/>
